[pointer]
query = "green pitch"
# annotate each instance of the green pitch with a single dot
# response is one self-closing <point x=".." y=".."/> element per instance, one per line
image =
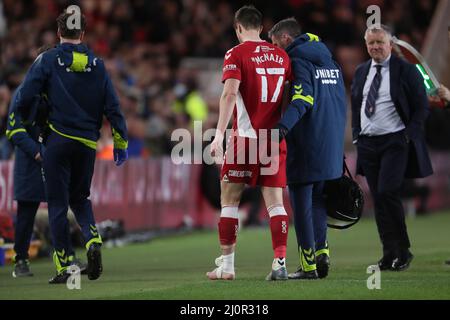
<point x="174" y="268"/>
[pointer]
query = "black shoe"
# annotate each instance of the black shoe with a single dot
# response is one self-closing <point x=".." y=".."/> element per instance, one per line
<point x="447" y="262"/>
<point x="385" y="263"/>
<point x="22" y="269"/>
<point x="302" y="275"/>
<point x="402" y="263"/>
<point x="60" y="278"/>
<point x="80" y="264"/>
<point x="323" y="265"/>
<point x="94" y="257"/>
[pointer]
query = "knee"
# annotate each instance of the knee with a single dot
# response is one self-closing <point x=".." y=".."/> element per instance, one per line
<point x="230" y="195"/>
<point x="273" y="197"/>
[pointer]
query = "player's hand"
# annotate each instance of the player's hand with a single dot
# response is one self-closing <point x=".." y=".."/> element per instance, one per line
<point x="216" y="148"/>
<point x="120" y="156"/>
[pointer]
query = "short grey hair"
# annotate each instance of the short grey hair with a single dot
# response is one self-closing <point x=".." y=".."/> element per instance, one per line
<point x="289" y="25"/>
<point x="379" y="28"/>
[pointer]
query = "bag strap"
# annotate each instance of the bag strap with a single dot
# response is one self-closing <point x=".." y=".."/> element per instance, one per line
<point x="346" y="170"/>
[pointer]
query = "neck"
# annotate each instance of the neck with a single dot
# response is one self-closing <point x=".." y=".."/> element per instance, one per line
<point x="251" y="35"/>
<point x="382" y="61"/>
<point x="71" y="41"/>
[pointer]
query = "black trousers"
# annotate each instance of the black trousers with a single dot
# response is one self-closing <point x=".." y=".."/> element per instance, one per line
<point x="384" y="160"/>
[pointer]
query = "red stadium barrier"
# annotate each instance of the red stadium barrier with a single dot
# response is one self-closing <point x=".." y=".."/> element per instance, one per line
<point x="156" y="194"/>
<point x="144" y="194"/>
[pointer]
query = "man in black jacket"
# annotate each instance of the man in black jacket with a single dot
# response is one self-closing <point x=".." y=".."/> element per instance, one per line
<point x="389" y="107"/>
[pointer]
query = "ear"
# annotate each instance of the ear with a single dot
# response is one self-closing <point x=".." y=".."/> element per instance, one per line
<point x="239" y="28"/>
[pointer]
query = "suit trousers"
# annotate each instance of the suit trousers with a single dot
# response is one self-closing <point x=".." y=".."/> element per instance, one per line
<point x="384" y="160"/>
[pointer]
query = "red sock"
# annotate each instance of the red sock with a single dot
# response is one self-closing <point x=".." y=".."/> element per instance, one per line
<point x="279" y="229"/>
<point x="228" y="228"/>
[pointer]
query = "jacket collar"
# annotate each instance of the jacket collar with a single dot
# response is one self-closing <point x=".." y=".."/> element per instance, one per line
<point x="394" y="74"/>
<point x="298" y="41"/>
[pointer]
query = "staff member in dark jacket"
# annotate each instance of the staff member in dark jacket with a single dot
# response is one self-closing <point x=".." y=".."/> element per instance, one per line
<point x="315" y="120"/>
<point x="80" y="92"/>
<point x="26" y="132"/>
<point x="389" y="106"/>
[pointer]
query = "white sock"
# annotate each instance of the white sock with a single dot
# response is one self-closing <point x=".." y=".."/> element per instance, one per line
<point x="277" y="210"/>
<point x="229" y="212"/>
<point x="278" y="263"/>
<point x="228" y="263"/>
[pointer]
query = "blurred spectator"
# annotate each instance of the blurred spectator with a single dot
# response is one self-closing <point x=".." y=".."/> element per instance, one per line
<point x="190" y="102"/>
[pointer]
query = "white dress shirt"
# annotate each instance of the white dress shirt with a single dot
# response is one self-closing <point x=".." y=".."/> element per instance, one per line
<point x="385" y="119"/>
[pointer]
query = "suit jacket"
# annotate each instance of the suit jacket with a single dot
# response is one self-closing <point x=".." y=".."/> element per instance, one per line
<point x="411" y="102"/>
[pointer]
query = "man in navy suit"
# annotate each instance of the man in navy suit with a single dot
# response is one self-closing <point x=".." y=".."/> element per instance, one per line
<point x="389" y="107"/>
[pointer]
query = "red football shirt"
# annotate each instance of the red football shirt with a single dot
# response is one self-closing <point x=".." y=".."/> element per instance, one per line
<point x="263" y="70"/>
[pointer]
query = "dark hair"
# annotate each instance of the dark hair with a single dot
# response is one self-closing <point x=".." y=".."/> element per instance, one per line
<point x="249" y="17"/>
<point x="289" y="25"/>
<point x="70" y="32"/>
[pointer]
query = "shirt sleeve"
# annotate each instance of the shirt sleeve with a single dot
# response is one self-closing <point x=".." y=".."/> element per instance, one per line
<point x="16" y="131"/>
<point x="231" y="66"/>
<point x="33" y="85"/>
<point x="115" y="116"/>
<point x="302" y="94"/>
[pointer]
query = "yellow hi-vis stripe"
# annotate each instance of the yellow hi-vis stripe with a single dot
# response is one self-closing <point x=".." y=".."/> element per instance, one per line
<point x="323" y="251"/>
<point x="57" y="261"/>
<point x="304" y="259"/>
<point x="308" y="99"/>
<point x="119" y="142"/>
<point x="89" y="143"/>
<point x="9" y="134"/>
<point x="97" y="239"/>
<point x="313" y="37"/>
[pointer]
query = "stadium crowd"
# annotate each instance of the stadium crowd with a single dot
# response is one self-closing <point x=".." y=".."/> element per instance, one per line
<point x="144" y="42"/>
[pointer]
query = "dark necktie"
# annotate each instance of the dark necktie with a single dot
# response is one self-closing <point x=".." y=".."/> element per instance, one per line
<point x="373" y="93"/>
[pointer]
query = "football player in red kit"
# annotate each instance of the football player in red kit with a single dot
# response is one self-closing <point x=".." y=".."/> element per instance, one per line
<point x="254" y="76"/>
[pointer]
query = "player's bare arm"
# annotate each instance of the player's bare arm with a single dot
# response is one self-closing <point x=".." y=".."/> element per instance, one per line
<point x="226" y="106"/>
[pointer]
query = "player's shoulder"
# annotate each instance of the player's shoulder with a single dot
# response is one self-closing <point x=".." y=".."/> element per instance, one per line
<point x="236" y="50"/>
